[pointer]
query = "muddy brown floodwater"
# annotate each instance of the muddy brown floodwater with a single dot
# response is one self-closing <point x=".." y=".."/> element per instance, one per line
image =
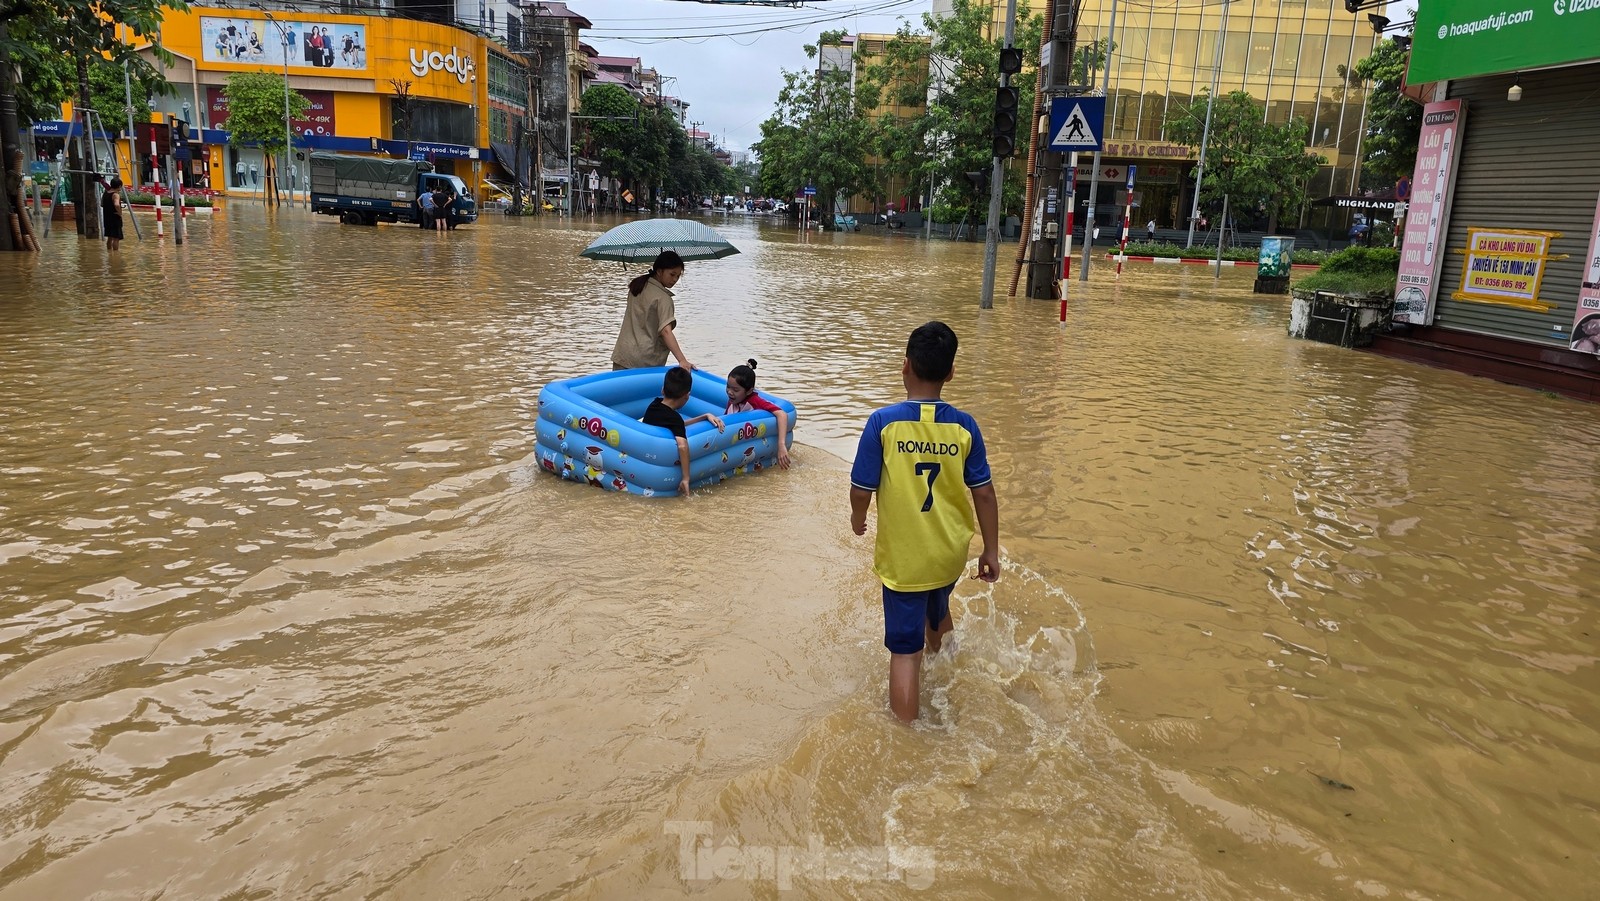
<point x="288" y="611"/>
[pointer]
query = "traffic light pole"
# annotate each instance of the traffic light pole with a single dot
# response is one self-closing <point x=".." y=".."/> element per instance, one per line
<point x="1094" y="176"/>
<point x="991" y="241"/>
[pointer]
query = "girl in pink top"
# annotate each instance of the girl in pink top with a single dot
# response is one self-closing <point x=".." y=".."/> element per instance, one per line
<point x="742" y="398"/>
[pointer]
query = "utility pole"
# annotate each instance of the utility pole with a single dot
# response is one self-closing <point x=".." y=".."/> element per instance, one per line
<point x="1205" y="134"/>
<point x="1094" y="177"/>
<point x="991" y="240"/>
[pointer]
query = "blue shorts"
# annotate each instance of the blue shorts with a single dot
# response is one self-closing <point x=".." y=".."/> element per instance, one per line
<point x="905" y="613"/>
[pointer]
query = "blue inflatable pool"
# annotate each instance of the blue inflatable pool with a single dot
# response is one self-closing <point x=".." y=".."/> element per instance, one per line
<point x="589" y="431"/>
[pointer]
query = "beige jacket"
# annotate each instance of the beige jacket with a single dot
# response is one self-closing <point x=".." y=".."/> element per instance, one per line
<point x="640" y="344"/>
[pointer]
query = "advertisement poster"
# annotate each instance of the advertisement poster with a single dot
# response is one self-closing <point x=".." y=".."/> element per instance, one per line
<point x="1506" y="266"/>
<point x="310" y="45"/>
<point x="1477" y="37"/>
<point x="1586" y="324"/>
<point x="318" y="121"/>
<point x="1422" y="253"/>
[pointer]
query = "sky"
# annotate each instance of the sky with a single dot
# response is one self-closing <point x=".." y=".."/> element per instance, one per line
<point x="730" y="83"/>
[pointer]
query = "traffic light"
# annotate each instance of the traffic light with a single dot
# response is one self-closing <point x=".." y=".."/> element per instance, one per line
<point x="1010" y="61"/>
<point x="1005" y="122"/>
<point x="180" y="139"/>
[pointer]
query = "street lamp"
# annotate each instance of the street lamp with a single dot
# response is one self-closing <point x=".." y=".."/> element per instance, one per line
<point x="288" y="132"/>
<point x="1205" y="134"/>
<point x="477" y="186"/>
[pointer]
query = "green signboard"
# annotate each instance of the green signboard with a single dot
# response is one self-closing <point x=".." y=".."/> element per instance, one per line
<point x="1458" y="38"/>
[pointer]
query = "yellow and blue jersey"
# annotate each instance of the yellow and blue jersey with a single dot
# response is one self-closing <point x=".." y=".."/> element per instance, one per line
<point x="921" y="457"/>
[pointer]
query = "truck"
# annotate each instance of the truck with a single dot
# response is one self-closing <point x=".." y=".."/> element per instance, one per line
<point x="366" y="190"/>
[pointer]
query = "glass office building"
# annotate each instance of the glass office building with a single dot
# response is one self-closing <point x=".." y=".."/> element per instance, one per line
<point x="1288" y="54"/>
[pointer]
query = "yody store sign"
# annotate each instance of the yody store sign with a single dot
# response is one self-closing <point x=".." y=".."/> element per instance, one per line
<point x="426" y="61"/>
<point x="1458" y="38"/>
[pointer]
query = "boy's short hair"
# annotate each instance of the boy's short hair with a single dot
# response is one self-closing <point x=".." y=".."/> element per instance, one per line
<point x="676" y="382"/>
<point x="932" y="351"/>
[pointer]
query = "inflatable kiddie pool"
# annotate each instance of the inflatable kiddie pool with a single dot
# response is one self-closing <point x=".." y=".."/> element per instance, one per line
<point x="589" y="431"/>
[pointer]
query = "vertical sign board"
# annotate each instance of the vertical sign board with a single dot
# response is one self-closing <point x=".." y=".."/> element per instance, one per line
<point x="1428" y="217"/>
<point x="1586" y="323"/>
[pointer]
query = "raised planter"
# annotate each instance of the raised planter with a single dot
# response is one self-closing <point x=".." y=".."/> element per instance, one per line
<point x="1348" y="320"/>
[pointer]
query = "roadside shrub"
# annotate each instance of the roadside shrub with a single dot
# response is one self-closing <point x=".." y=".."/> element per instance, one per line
<point x="1237" y="254"/>
<point x="1355" y="270"/>
<point x="144" y="198"/>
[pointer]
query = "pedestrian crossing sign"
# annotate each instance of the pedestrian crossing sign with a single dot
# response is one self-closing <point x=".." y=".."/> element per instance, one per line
<point x="1077" y="123"/>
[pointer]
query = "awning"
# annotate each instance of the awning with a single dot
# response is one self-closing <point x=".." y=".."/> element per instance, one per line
<point x="506" y="156"/>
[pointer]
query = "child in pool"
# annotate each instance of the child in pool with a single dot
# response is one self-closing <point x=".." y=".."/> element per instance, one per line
<point x="742" y="398"/>
<point x="664" y="412"/>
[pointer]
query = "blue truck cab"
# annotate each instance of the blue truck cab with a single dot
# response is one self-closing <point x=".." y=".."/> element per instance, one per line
<point x="366" y="190"/>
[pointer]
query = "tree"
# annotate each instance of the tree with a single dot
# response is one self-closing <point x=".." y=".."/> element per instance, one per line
<point x="1255" y="163"/>
<point x="643" y="147"/>
<point x="953" y="136"/>
<point x="256" y="115"/>
<point x="34" y="36"/>
<point x="1394" y="121"/>
<point x="818" y="134"/>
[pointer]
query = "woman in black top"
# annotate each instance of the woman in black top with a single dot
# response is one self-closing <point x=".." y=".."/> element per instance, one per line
<point x="111" y="214"/>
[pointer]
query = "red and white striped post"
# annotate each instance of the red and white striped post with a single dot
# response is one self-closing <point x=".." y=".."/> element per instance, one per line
<point x="1127" y="218"/>
<point x="1070" y="208"/>
<point x="155" y="166"/>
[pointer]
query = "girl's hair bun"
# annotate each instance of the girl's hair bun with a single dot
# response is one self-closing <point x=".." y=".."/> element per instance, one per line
<point x="751" y="363"/>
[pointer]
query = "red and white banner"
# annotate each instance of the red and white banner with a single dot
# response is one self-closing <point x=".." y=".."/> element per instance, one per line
<point x="1586" y="323"/>
<point x="1428" y="216"/>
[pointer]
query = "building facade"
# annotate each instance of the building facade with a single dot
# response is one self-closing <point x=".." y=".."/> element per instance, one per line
<point x="381" y="79"/>
<point x="1290" y="55"/>
<point x="1500" y="258"/>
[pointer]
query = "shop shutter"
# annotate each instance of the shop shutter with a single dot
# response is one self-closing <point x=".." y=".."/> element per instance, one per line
<point x="1532" y="164"/>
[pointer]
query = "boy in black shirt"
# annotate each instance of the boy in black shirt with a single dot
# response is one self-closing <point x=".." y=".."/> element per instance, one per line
<point x="663" y="411"/>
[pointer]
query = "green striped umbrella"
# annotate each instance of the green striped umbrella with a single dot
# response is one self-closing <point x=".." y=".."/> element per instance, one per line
<point x="642" y="240"/>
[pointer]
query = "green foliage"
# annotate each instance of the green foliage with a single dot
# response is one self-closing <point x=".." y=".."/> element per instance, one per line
<point x="256" y="110"/>
<point x="1238" y="254"/>
<point x="646" y="146"/>
<point x="1258" y="164"/>
<point x="952" y="134"/>
<point x="1394" y="121"/>
<point x="142" y="198"/>
<point x="1355" y="270"/>
<point x="50" y="39"/>
<point x="819" y="134"/>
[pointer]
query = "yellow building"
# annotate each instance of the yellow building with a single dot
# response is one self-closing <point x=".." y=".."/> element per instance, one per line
<point x="376" y="85"/>
<point x="1287" y="54"/>
<point x="856" y="54"/>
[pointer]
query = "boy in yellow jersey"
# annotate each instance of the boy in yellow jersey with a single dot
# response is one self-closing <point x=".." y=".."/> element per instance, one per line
<point x="921" y="457"/>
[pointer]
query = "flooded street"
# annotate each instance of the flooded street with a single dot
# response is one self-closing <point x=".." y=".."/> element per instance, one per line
<point x="289" y="612"/>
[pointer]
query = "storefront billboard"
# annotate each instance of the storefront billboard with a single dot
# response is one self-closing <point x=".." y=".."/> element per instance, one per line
<point x="1428" y="216"/>
<point x="310" y="45"/>
<point x="319" y="120"/>
<point x="1506" y="266"/>
<point x="1586" y="323"/>
<point x="1458" y="38"/>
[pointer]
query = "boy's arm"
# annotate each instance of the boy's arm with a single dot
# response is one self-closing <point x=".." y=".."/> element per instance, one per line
<point x="708" y="417"/>
<point x="987" y="508"/>
<point x="683" y="462"/>
<point x="860" y="500"/>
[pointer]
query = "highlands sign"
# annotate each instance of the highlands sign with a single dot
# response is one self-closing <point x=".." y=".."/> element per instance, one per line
<point x="1460" y="38"/>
